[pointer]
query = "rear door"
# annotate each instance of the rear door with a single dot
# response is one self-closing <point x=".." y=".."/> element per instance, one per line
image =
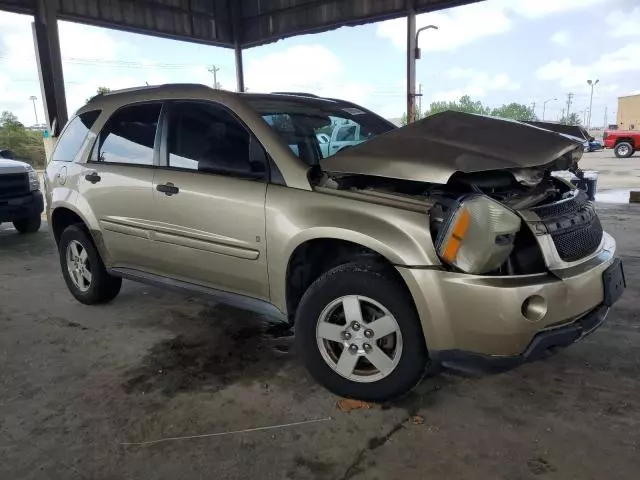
<point x="117" y="184"/>
<point x="210" y="200"/>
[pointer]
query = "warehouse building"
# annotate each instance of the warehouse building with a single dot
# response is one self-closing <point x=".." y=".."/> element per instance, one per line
<point x="629" y="112"/>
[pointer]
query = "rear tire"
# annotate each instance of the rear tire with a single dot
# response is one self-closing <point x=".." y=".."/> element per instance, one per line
<point x="322" y="341"/>
<point x="83" y="269"/>
<point x="28" y="225"/>
<point x="623" y="150"/>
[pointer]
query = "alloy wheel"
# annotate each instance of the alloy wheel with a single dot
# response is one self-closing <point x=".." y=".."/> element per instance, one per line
<point x="78" y="265"/>
<point x="359" y="338"/>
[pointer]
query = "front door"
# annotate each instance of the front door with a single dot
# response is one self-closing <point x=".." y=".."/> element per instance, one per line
<point x="117" y="184"/>
<point x="210" y="201"/>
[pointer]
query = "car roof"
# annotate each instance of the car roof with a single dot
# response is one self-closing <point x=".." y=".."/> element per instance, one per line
<point x="191" y="90"/>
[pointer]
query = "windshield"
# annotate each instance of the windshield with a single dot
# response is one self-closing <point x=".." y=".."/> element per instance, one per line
<point x="315" y="129"/>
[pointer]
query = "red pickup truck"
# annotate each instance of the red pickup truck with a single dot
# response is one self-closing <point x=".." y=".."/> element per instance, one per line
<point x="623" y="142"/>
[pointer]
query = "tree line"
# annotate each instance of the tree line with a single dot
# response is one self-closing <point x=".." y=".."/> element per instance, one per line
<point x="512" y="111"/>
<point x="25" y="144"/>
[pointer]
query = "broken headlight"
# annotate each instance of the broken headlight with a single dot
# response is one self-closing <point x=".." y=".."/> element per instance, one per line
<point x="477" y="234"/>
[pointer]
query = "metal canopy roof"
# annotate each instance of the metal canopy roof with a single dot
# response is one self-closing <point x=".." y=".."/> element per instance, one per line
<point x="215" y="22"/>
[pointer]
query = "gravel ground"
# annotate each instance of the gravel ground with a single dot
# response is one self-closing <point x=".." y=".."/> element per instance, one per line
<point x="78" y="383"/>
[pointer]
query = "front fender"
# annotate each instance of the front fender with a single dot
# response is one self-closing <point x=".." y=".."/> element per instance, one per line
<point x="296" y="216"/>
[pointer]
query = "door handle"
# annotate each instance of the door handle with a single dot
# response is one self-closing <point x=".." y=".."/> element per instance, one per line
<point x="168" y="188"/>
<point x="93" y="177"/>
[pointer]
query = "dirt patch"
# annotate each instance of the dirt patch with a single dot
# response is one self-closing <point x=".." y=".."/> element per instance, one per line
<point x="218" y="347"/>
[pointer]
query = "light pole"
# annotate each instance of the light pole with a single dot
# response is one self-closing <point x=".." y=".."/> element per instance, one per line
<point x="544" y="106"/>
<point x="413" y="51"/>
<point x="592" y="84"/>
<point x="33" y="99"/>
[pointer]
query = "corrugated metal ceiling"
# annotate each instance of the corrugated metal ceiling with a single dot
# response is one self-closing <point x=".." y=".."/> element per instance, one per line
<point x="211" y="21"/>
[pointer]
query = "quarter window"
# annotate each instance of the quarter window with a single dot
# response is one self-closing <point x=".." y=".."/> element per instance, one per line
<point x="129" y="135"/>
<point x="73" y="136"/>
<point x="208" y="138"/>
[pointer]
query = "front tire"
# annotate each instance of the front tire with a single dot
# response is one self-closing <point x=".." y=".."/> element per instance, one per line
<point x="623" y="150"/>
<point x="28" y="225"/>
<point x="83" y="269"/>
<point x="359" y="335"/>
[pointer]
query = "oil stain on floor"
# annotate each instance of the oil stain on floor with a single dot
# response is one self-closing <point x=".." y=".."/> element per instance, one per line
<point x="220" y="346"/>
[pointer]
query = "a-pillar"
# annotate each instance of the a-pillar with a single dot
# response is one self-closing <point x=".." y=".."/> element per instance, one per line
<point x="49" y="59"/>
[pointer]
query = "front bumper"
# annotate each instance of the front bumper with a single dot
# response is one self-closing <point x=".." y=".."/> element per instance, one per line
<point x="544" y="343"/>
<point x="21" y="207"/>
<point x="486" y="315"/>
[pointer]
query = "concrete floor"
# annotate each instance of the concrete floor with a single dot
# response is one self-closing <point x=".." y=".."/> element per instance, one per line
<point x="77" y="383"/>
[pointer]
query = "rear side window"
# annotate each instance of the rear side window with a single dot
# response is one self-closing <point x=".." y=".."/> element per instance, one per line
<point x="129" y="136"/>
<point x="73" y="136"/>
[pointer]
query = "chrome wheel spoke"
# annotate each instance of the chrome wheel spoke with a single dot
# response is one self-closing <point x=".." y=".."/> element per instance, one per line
<point x="83" y="255"/>
<point x="383" y="326"/>
<point x="330" y="331"/>
<point x="352" y="310"/>
<point x="74" y="250"/>
<point x="380" y="360"/>
<point x="346" y="363"/>
<point x="86" y="274"/>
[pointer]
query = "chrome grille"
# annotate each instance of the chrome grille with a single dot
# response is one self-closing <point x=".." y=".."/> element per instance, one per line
<point x="14" y="184"/>
<point x="573" y="225"/>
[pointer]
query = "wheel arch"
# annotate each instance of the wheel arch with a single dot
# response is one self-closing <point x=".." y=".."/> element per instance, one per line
<point x="312" y="256"/>
<point x="64" y="215"/>
<point x="629" y="140"/>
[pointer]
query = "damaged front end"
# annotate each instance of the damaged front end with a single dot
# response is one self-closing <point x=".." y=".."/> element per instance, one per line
<point x="484" y="220"/>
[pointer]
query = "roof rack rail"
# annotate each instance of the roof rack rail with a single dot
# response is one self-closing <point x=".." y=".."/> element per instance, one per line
<point x="299" y="94"/>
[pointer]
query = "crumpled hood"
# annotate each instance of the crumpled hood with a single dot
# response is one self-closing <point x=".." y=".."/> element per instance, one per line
<point x="433" y="149"/>
<point x="13" y="166"/>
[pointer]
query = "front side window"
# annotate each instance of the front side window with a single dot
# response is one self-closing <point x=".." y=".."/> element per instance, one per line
<point x="73" y="136"/>
<point x="129" y="135"/>
<point x="208" y="138"/>
<point x="310" y="127"/>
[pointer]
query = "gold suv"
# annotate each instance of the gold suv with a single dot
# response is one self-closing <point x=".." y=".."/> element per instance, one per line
<point x="391" y="250"/>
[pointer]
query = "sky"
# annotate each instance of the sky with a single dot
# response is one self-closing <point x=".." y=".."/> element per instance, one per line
<point x="496" y="51"/>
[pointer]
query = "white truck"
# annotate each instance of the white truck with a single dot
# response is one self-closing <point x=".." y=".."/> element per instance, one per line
<point x="21" y="200"/>
<point x="342" y="136"/>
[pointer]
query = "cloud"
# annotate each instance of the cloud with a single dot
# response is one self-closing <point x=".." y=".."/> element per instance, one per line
<point x="305" y="68"/>
<point x="466" y="24"/>
<point x="624" y="23"/>
<point x="625" y="59"/>
<point x="476" y="84"/>
<point x="561" y="37"/>
<point x="457" y="27"/>
<point x="543" y="8"/>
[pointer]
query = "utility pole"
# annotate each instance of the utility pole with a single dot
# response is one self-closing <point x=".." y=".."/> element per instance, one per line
<point x="605" y="118"/>
<point x="33" y="99"/>
<point x="215" y="71"/>
<point x="569" y="98"/>
<point x="419" y="112"/>
<point x="533" y="108"/>
<point x="562" y="115"/>
<point x="591" y="84"/>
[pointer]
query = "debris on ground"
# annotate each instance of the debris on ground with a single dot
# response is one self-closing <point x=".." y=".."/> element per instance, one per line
<point x="348" y="404"/>
<point x="417" y="420"/>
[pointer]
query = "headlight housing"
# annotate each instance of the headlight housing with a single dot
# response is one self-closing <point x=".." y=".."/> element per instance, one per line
<point x="34" y="183"/>
<point x="477" y="234"/>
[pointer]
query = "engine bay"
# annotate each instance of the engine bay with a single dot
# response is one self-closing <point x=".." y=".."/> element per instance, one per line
<point x="502" y="251"/>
